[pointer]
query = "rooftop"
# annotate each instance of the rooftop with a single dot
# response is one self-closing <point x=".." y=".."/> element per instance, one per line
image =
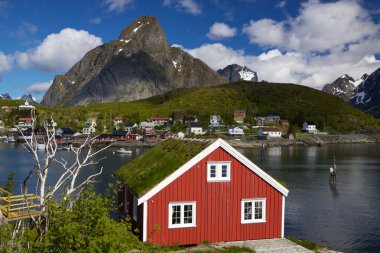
<point x="142" y="174"/>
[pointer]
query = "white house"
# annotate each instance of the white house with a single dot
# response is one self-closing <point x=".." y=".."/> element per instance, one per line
<point x="117" y="121"/>
<point x="89" y="126"/>
<point x="26" y="105"/>
<point x="196" y="128"/>
<point x="160" y="121"/>
<point x="215" y="120"/>
<point x="128" y="127"/>
<point x="235" y="131"/>
<point x="147" y="127"/>
<point x="309" y="127"/>
<point x="269" y="132"/>
<point x="180" y="135"/>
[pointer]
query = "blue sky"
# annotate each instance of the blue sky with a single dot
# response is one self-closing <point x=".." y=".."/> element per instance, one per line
<point x="306" y="42"/>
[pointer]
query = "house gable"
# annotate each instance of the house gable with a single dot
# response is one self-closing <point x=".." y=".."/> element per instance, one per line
<point x="218" y="212"/>
<point x="230" y="150"/>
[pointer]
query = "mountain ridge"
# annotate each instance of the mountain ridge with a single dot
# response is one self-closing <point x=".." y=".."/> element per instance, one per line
<point x="140" y="64"/>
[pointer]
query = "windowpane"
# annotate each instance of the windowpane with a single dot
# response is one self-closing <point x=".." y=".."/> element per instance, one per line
<point x="212" y="171"/>
<point x="188" y="214"/>
<point x="176" y="214"/>
<point x="258" y="210"/>
<point x="224" y="170"/>
<point x="247" y="210"/>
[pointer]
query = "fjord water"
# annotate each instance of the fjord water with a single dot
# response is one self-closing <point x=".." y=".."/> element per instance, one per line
<point x="345" y="218"/>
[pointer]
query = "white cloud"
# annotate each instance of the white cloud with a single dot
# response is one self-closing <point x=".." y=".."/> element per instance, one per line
<point x="5" y="62"/>
<point x="220" y="31"/>
<point x="58" y="52"/>
<point x="117" y="5"/>
<point x="319" y="27"/>
<point x="189" y="6"/>
<point x="265" y="32"/>
<point x="290" y="67"/>
<point x="39" y="88"/>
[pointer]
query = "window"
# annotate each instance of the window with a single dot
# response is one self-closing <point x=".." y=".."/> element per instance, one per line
<point x="182" y="214"/>
<point x="253" y="210"/>
<point x="218" y="171"/>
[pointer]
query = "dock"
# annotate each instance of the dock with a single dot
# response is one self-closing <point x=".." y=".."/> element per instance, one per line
<point x="18" y="207"/>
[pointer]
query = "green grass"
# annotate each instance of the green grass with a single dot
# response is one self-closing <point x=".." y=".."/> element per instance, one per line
<point x="293" y="102"/>
<point x="143" y="173"/>
<point x="305" y="243"/>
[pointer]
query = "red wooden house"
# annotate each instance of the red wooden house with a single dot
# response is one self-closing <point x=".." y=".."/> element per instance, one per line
<point x="190" y="192"/>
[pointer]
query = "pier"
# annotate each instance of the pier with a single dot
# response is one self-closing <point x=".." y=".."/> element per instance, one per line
<point x="18" y="207"/>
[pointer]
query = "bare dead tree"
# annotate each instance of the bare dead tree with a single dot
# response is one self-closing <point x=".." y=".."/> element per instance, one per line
<point x="68" y="182"/>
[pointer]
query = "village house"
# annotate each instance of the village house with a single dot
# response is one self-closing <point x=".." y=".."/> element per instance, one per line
<point x="65" y="132"/>
<point x="129" y="126"/>
<point x="239" y="116"/>
<point x="25" y="123"/>
<point x="160" y="121"/>
<point x="269" y="132"/>
<point x="196" y="128"/>
<point x="201" y="191"/>
<point x="309" y="127"/>
<point x="180" y="135"/>
<point x="235" y="131"/>
<point x="6" y="108"/>
<point x="150" y="137"/>
<point x="215" y="121"/>
<point x="119" y="135"/>
<point x="273" y="118"/>
<point x="147" y="127"/>
<point x="105" y="137"/>
<point x="117" y="122"/>
<point x="166" y="135"/>
<point x="131" y="136"/>
<point x="26" y="106"/>
<point x="187" y="119"/>
<point x="89" y="126"/>
<point x="259" y="121"/>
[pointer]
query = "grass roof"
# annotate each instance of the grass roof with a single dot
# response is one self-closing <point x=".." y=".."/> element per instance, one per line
<point x="142" y="174"/>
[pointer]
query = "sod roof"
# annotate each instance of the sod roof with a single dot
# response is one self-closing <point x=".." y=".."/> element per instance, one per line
<point x="142" y="174"/>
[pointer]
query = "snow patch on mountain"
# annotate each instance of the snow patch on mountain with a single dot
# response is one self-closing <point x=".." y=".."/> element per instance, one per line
<point x="247" y="75"/>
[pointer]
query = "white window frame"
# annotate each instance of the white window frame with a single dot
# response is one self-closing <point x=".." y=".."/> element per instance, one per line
<point x="218" y="177"/>
<point x="253" y="220"/>
<point x="182" y="224"/>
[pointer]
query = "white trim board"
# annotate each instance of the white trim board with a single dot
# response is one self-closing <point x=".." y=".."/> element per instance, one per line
<point x="229" y="149"/>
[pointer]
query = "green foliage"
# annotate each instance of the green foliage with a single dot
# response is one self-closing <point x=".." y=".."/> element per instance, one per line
<point x="10" y="182"/>
<point x="293" y="102"/>
<point x="143" y="173"/>
<point x="304" y="243"/>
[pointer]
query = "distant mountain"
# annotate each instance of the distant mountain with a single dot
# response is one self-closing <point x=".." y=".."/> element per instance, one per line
<point x="140" y="64"/>
<point x="28" y="98"/>
<point x="5" y="96"/>
<point x="343" y="87"/>
<point x="367" y="96"/>
<point x="235" y="72"/>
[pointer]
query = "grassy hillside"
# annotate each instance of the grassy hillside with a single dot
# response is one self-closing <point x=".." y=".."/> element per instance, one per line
<point x="293" y="102"/>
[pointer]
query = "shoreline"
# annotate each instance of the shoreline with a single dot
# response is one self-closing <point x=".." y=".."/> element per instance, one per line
<point x="304" y="140"/>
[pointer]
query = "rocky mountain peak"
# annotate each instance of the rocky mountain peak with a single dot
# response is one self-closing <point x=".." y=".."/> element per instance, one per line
<point x="139" y="64"/>
<point x="367" y="96"/>
<point x="145" y="33"/>
<point x="235" y="72"/>
<point x="29" y="98"/>
<point x="5" y="96"/>
<point x="342" y="87"/>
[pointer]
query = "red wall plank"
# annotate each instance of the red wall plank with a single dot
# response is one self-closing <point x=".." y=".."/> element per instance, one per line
<point x="218" y="206"/>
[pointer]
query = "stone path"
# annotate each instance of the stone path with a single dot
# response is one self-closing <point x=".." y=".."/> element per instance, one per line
<point x="280" y="245"/>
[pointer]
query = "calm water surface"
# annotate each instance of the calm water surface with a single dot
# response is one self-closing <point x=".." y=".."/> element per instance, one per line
<point x="345" y="218"/>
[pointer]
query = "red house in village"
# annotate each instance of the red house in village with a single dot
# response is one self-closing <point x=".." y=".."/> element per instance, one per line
<point x="199" y="192"/>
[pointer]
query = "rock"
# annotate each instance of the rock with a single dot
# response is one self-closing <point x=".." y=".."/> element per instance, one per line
<point x="235" y="72"/>
<point x="140" y="64"/>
